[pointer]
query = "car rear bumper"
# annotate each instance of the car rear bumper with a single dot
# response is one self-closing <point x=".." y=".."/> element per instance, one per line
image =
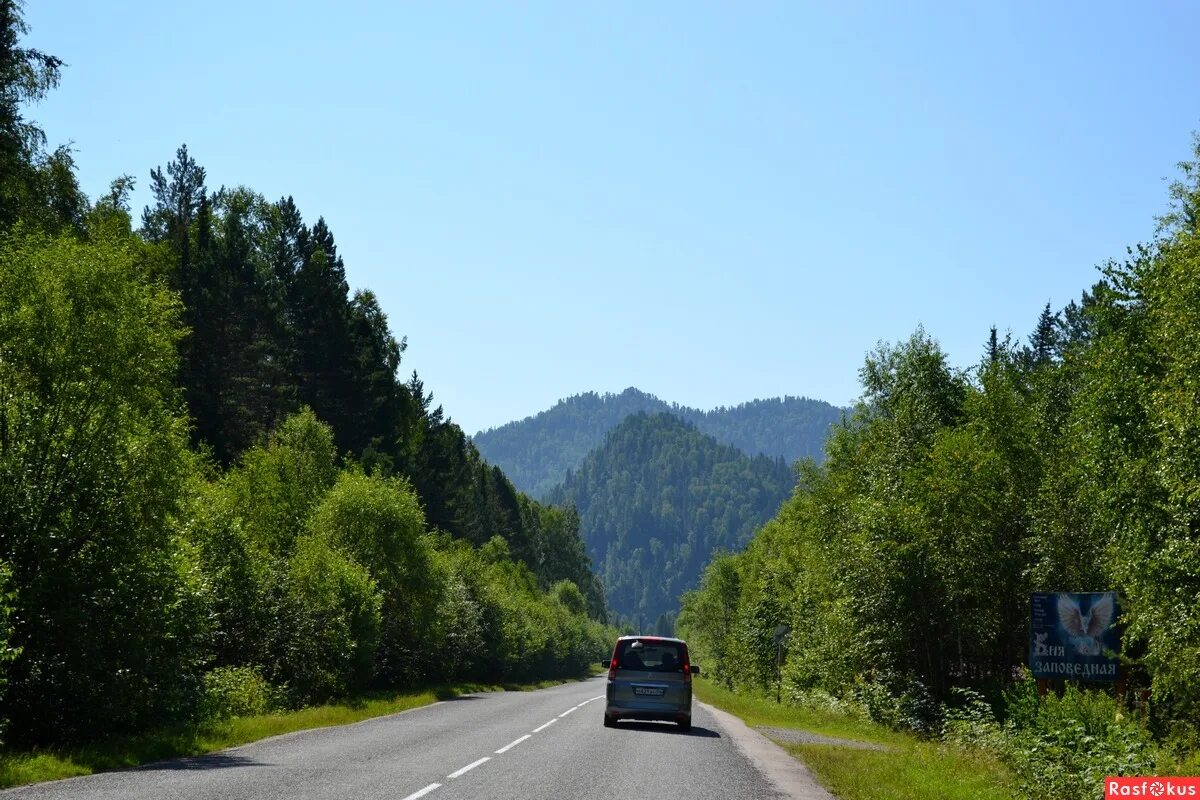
<point x="621" y="705"/>
<point x="669" y="713"/>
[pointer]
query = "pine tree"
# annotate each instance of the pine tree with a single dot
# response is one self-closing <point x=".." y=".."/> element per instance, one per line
<point x="376" y="400"/>
<point x="251" y="375"/>
<point x="992" y="354"/>
<point x="324" y="349"/>
<point x="1043" y="343"/>
<point x="178" y="195"/>
<point x="181" y="217"/>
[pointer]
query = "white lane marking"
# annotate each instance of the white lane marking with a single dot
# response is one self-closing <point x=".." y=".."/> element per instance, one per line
<point x="511" y="745"/>
<point x="541" y="728"/>
<point x="460" y="772"/>
<point x="585" y="702"/>
<point x="568" y="711"/>
<point x="423" y="792"/>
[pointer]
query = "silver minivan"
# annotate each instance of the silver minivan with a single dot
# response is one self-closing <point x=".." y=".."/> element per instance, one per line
<point x="650" y="677"/>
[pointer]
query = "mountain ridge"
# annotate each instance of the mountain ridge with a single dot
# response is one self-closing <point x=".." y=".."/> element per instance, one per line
<point x="537" y="451"/>
<point x="656" y="500"/>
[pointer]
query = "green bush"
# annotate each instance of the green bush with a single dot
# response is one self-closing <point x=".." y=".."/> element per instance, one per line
<point x="459" y="627"/>
<point x="238" y="579"/>
<point x="899" y="701"/>
<point x="971" y="721"/>
<point x="333" y="620"/>
<point x="237" y="692"/>
<point x="275" y="486"/>
<point x="378" y="523"/>
<point x="1060" y="747"/>
<point x="569" y="596"/>
<point x="1064" y="751"/>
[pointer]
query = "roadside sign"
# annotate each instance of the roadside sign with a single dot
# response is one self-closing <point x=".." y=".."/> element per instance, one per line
<point x="1074" y="635"/>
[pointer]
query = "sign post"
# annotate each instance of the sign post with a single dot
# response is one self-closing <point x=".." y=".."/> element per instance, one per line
<point x="781" y="635"/>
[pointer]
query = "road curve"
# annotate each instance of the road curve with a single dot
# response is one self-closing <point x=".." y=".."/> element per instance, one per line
<point x="548" y="744"/>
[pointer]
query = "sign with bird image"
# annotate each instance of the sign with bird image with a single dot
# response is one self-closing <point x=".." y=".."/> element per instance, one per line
<point x="1074" y="635"/>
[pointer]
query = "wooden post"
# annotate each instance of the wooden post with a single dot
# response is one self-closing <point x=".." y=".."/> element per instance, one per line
<point x="1043" y="686"/>
<point x="781" y="635"/>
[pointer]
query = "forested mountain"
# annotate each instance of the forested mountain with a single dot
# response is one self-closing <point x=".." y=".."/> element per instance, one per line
<point x="536" y="452"/>
<point x="216" y="496"/>
<point x="656" y="500"/>
<point x="789" y="427"/>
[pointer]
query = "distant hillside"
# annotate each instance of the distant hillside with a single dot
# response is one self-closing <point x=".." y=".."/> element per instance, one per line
<point x="536" y="452"/>
<point x="789" y="427"/>
<point x="656" y="499"/>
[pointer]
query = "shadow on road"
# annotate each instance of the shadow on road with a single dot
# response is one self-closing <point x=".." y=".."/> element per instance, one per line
<point x="201" y="763"/>
<point x="669" y="727"/>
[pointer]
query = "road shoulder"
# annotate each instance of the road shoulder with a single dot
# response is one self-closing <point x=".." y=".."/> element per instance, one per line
<point x="787" y="774"/>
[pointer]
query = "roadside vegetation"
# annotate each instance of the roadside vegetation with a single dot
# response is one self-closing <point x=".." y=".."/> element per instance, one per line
<point x="218" y="502"/>
<point x="904" y="767"/>
<point x="904" y="564"/>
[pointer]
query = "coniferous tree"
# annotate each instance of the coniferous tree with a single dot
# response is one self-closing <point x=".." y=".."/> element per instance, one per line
<point x="324" y="347"/>
<point x="181" y="219"/>
<point x="179" y="193"/>
<point x="286" y="243"/>
<point x="252" y="376"/>
<point x="1044" y="341"/>
<point x="376" y="405"/>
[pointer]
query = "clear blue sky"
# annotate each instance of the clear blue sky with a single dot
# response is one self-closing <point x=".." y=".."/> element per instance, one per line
<point x="709" y="201"/>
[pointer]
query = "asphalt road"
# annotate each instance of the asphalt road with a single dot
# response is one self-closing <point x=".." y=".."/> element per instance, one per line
<point x="546" y="744"/>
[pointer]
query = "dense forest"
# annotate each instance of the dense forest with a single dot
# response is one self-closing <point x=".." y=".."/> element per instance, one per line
<point x="216" y="496"/>
<point x="787" y="427"/>
<point x="1071" y="462"/>
<point x="536" y="452"/>
<point x="656" y="500"/>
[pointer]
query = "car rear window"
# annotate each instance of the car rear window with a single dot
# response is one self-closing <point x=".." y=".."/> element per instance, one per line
<point x="651" y="655"/>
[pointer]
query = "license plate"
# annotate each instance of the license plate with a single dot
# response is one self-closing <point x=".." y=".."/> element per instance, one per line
<point x="650" y="691"/>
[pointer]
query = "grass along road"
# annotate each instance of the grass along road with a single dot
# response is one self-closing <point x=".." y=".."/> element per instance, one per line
<point x="908" y="768"/>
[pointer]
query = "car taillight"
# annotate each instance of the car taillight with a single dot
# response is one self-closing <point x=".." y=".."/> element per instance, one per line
<point x="687" y="672"/>
<point x="612" y="667"/>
